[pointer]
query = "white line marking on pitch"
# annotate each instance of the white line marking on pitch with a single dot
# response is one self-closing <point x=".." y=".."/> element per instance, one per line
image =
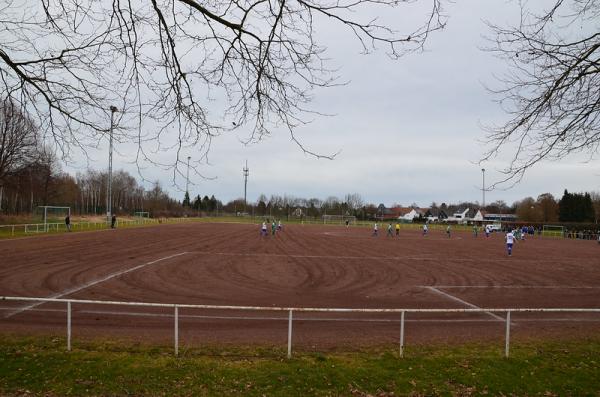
<point x="92" y="283"/>
<point x="456" y="299"/>
<point x="402" y="238"/>
<point x="390" y="258"/>
<point x="314" y="256"/>
<point x="519" y="286"/>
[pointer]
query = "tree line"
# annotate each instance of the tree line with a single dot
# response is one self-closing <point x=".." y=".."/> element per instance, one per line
<point x="30" y="176"/>
<point x="572" y="207"/>
<point x="38" y="184"/>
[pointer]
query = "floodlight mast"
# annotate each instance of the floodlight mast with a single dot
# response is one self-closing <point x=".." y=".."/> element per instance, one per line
<point x="483" y="187"/>
<point x="246" y="173"/>
<point x="113" y="109"/>
<point x="187" y="179"/>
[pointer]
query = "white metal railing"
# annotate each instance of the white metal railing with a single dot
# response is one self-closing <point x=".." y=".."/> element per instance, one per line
<point x="34" y="228"/>
<point x="290" y="311"/>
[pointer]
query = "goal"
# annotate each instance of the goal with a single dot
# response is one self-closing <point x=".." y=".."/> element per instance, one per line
<point x="553" y="231"/>
<point x="338" y="219"/>
<point x="53" y="215"/>
<point x="141" y="214"/>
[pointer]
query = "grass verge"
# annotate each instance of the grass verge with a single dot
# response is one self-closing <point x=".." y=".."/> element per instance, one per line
<point x="41" y="366"/>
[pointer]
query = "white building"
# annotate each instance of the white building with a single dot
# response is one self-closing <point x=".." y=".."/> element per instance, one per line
<point x="459" y="217"/>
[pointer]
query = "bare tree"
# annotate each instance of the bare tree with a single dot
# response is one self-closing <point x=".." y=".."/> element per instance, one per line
<point x="166" y="64"/>
<point x="526" y="210"/>
<point x="548" y="207"/>
<point x="552" y="89"/>
<point x="354" y="201"/>
<point x="18" y="141"/>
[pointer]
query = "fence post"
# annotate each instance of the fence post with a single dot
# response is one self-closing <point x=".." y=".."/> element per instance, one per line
<point x="176" y="325"/>
<point x="402" y="334"/>
<point x="289" y="352"/>
<point x="507" y="341"/>
<point x="68" y="325"/>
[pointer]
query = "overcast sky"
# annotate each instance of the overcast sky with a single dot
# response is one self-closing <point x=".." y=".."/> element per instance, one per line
<point x="407" y="130"/>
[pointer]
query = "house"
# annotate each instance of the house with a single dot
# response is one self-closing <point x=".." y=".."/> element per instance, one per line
<point x="478" y="216"/>
<point x="435" y="215"/>
<point x="459" y="216"/>
<point x="410" y="214"/>
<point x="384" y="213"/>
<point x="402" y="214"/>
<point x="298" y="213"/>
<point x="500" y="217"/>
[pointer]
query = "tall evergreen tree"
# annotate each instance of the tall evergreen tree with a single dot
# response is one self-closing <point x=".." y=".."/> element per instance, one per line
<point x="589" y="215"/>
<point x="565" y="207"/>
<point x="205" y="204"/>
<point x="197" y="203"/>
<point x="576" y="207"/>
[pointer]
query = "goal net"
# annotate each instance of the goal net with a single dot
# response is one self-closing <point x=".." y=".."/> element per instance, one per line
<point x="339" y="219"/>
<point x="141" y="214"/>
<point x="553" y="231"/>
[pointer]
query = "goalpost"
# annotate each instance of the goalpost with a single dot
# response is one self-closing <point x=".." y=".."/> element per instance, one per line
<point x="141" y="216"/>
<point x="54" y="211"/>
<point x="338" y="219"/>
<point x="553" y="231"/>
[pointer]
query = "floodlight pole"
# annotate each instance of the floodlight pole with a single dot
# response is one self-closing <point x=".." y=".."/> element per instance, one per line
<point x="483" y="187"/>
<point x="246" y="173"/>
<point x="187" y="180"/>
<point x="113" y="109"/>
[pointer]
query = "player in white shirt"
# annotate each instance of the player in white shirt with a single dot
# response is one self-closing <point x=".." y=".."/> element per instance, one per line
<point x="263" y="229"/>
<point x="510" y="240"/>
<point x="375" y="230"/>
<point x="425" y="229"/>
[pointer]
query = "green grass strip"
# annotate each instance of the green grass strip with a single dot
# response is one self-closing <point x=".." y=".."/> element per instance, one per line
<point x="41" y="366"/>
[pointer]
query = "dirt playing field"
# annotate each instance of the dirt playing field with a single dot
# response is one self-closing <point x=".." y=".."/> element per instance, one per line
<point x="303" y="266"/>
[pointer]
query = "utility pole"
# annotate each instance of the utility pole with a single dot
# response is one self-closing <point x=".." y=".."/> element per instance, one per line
<point x="246" y="173"/>
<point x="113" y="109"/>
<point x="483" y="187"/>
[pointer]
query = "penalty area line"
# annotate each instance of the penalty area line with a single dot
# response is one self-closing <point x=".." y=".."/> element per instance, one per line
<point x="91" y="283"/>
<point x="456" y="299"/>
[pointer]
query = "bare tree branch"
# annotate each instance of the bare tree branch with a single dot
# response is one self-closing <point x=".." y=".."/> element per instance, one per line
<point x="181" y="72"/>
<point x="552" y="90"/>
